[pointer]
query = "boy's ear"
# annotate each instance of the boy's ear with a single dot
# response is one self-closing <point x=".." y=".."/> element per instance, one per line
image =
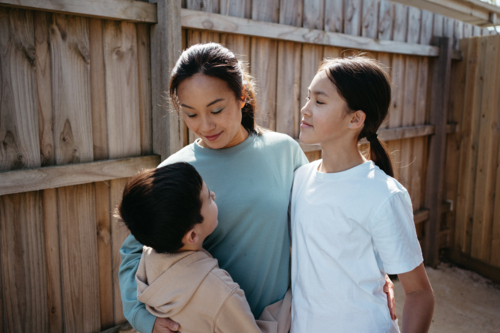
<point x="357" y="119"/>
<point x="191" y="237"/>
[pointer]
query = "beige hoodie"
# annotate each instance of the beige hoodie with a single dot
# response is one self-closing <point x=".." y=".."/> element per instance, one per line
<point x="191" y="289"/>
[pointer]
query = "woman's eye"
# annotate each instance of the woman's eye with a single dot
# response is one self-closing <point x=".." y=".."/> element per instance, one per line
<point x="191" y="115"/>
<point x="217" y="111"/>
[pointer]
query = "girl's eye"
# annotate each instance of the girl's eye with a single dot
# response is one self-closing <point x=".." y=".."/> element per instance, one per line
<point x="217" y="111"/>
<point x="318" y="102"/>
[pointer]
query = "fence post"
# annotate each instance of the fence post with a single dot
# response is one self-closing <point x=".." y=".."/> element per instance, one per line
<point x="434" y="191"/>
<point x="166" y="47"/>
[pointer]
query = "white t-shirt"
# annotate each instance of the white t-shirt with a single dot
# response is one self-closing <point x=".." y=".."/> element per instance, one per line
<point x="349" y="229"/>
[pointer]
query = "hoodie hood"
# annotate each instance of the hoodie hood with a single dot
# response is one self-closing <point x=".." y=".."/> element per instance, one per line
<point x="167" y="282"/>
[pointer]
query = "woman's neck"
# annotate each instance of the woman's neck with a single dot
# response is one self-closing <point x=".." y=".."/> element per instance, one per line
<point x="340" y="156"/>
<point x="240" y="136"/>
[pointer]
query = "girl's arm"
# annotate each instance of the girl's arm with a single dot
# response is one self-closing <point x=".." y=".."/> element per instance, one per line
<point x="419" y="301"/>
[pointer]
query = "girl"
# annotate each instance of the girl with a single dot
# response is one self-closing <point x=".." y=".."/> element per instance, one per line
<point x="351" y="221"/>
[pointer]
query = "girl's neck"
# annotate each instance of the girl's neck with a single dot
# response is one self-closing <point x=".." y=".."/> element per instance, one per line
<point x="340" y="156"/>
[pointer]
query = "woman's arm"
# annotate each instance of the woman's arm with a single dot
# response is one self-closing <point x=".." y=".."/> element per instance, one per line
<point x="419" y="301"/>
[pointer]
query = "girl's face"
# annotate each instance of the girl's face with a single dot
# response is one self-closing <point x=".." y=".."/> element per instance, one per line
<point x="211" y="110"/>
<point x="324" y="116"/>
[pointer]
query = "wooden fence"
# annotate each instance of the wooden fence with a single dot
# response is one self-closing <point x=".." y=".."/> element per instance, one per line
<point x="80" y="111"/>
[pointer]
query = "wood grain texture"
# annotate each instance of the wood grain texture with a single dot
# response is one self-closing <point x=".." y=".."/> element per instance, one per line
<point x="334" y="16"/>
<point x="291" y="12"/>
<point x="23" y="263"/>
<point x="19" y="131"/>
<point x="400" y="22"/>
<point x="369" y="21"/>
<point x="70" y="59"/>
<point x="312" y="56"/>
<point x="144" y="62"/>
<point x="44" y="88"/>
<point x="79" y="260"/>
<point x="215" y="22"/>
<point x="66" y="175"/>
<point x="211" y="6"/>
<point x="414" y="24"/>
<point x="395" y="116"/>
<point x="265" y="10"/>
<point x="314" y="13"/>
<point x="426" y="27"/>
<point x="98" y="91"/>
<point x="122" y="89"/>
<point x="123" y="10"/>
<point x="237" y="8"/>
<point x="386" y="20"/>
<point x="437" y="27"/>
<point x="352" y="17"/>
<point x="118" y="234"/>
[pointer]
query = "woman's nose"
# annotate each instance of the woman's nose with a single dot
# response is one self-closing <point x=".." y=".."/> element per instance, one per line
<point x="207" y="124"/>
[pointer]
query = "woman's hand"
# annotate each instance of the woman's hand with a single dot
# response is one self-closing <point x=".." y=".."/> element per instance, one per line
<point x="165" y="325"/>
<point x="391" y="301"/>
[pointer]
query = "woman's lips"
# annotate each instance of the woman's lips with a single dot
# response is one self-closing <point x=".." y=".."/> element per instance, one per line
<point x="305" y="125"/>
<point x="212" y="137"/>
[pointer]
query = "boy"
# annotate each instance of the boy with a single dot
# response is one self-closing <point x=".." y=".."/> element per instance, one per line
<point x="171" y="211"/>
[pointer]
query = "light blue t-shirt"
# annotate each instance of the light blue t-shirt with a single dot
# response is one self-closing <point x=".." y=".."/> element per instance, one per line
<point x="252" y="182"/>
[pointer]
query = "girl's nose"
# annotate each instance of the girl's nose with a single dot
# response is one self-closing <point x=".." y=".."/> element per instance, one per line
<point x="305" y="110"/>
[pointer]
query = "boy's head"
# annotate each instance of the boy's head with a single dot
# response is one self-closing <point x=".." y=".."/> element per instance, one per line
<point x="169" y="208"/>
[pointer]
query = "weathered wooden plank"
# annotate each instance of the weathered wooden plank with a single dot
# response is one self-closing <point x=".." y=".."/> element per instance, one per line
<point x="489" y="138"/>
<point x="238" y="8"/>
<point x="448" y="27"/>
<point x="395" y="116"/>
<point x="426" y="28"/>
<point x="23" y="263"/>
<point x="352" y="17"/>
<point x="420" y="216"/>
<point x="400" y="22"/>
<point x="265" y="10"/>
<point x="57" y="176"/>
<point x="314" y="13"/>
<point x="437" y="27"/>
<point x="166" y="47"/>
<point x="70" y="59"/>
<point x="288" y="89"/>
<point x="369" y="20"/>
<point x="386" y="20"/>
<point x="19" y="133"/>
<point x="334" y="16"/>
<point x="216" y="22"/>
<point x="495" y="237"/>
<point x="79" y="262"/>
<point x="469" y="146"/>
<point x="438" y="114"/>
<point x="122" y="89"/>
<point x="385" y="59"/>
<point x="414" y="23"/>
<point x="52" y="252"/>
<point x="458" y="33"/>
<point x="123" y="10"/>
<point x="104" y="254"/>
<point x="263" y="69"/>
<point x="332" y="52"/>
<point x="211" y="6"/>
<point x="144" y="62"/>
<point x="98" y="91"/>
<point x="118" y="234"/>
<point x="44" y="87"/>
<point x="291" y="12"/>
<point x="311" y="59"/>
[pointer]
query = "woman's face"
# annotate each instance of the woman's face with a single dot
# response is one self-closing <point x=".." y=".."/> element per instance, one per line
<point x="324" y="115"/>
<point x="211" y="110"/>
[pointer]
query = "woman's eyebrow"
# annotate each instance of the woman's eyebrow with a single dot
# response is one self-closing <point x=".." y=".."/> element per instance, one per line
<point x="217" y="100"/>
<point x="187" y="106"/>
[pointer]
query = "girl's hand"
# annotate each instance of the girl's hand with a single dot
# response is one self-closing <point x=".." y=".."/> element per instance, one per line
<point x="391" y="301"/>
<point x="165" y="325"/>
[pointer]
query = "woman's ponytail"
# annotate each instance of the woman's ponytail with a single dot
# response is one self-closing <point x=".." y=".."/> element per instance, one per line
<point x="365" y="86"/>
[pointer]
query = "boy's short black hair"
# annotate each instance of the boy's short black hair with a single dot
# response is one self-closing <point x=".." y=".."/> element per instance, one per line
<point x="159" y="206"/>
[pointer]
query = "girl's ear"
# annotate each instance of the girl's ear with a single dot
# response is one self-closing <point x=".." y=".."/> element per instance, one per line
<point x="357" y="119"/>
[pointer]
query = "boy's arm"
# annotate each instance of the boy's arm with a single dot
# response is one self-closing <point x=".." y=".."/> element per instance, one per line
<point x="135" y="311"/>
<point x="235" y="315"/>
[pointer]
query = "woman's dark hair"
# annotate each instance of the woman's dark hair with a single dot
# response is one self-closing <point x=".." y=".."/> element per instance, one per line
<point x="159" y="206"/>
<point x="215" y="60"/>
<point x="365" y="86"/>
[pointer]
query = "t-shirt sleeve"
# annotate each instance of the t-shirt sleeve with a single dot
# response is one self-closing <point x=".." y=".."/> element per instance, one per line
<point x="394" y="235"/>
<point x="235" y="315"/>
<point x="300" y="157"/>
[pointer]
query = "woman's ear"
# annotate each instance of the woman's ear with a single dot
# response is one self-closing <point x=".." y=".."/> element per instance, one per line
<point x="357" y="119"/>
<point x="244" y="97"/>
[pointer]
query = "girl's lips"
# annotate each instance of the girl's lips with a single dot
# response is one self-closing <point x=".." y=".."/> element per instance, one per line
<point x="213" y="137"/>
<point x="305" y="125"/>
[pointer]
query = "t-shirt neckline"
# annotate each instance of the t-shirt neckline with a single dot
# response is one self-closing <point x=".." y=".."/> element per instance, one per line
<point x="363" y="167"/>
<point x="224" y="151"/>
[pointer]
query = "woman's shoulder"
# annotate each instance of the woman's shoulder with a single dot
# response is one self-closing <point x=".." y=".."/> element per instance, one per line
<point x="275" y="138"/>
<point x="186" y="154"/>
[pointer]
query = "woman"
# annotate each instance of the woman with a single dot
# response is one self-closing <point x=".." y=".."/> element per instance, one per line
<point x="250" y="170"/>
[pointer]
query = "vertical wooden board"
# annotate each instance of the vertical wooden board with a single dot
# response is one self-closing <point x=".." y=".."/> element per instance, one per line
<point x="352" y="17"/>
<point x="489" y="137"/>
<point x="313" y="155"/>
<point x="386" y="20"/>
<point x="437" y="27"/>
<point x="426" y="28"/>
<point x="264" y="70"/>
<point x="369" y="21"/>
<point x="385" y="60"/>
<point x="104" y="254"/>
<point x="314" y="13"/>
<point x="476" y="31"/>
<point x="44" y="88"/>
<point x="79" y="260"/>
<point x="145" y="108"/>
<point x="237" y="8"/>
<point x="495" y="237"/>
<point x="458" y="33"/>
<point x="98" y="91"/>
<point x="467" y="30"/>
<point x="122" y="89"/>
<point x="334" y="15"/>
<point x="193" y="38"/>
<point x="291" y="12"/>
<point x="240" y="46"/>
<point x="311" y="59"/>
<point x="396" y="108"/>
<point x="288" y="88"/>
<point x="23" y="263"/>
<point x="400" y="22"/>
<point x="70" y="59"/>
<point x="211" y="6"/>
<point x="414" y="22"/>
<point x="448" y="27"/>
<point x="118" y="234"/>
<point x="266" y="10"/>
<point x="332" y="52"/>
<point x="51" y="232"/>
<point x="468" y="152"/>
<point x="19" y="133"/>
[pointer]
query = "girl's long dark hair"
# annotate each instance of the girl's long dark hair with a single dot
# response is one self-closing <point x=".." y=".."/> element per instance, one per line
<point x="365" y="86"/>
<point x="215" y="60"/>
